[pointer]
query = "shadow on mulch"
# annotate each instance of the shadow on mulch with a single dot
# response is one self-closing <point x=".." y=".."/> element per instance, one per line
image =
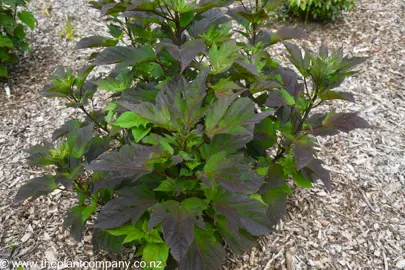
<point x="30" y="73"/>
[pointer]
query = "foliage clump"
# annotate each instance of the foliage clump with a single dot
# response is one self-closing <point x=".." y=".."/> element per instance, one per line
<point x="321" y="10"/>
<point x="204" y="134"/>
<point x="13" y="17"/>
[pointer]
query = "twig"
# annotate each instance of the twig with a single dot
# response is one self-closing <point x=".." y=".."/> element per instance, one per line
<point x="367" y="201"/>
<point x="267" y="267"/>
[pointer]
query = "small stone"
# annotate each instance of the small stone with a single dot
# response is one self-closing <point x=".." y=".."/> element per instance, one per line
<point x="400" y="263"/>
<point x="26" y="237"/>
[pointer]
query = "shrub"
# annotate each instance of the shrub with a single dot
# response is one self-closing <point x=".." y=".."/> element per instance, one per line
<point x="323" y="10"/>
<point x="12" y="33"/>
<point x="203" y="136"/>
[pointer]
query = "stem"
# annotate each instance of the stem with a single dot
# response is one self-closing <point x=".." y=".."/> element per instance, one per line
<point x="94" y="120"/>
<point x="279" y="155"/>
<point x="179" y="31"/>
<point x="254" y="33"/>
<point x="129" y="32"/>
<point x="243" y="5"/>
<point x="307" y="111"/>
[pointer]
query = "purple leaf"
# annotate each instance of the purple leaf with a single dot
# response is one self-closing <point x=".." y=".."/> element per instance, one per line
<point x="131" y="205"/>
<point x="242" y="211"/>
<point x="314" y="171"/>
<point x="303" y="153"/>
<point x="178" y="220"/>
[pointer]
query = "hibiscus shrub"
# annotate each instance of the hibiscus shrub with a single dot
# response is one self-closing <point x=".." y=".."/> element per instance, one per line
<point x="320" y="10"/>
<point x="13" y="17"/>
<point x="203" y="134"/>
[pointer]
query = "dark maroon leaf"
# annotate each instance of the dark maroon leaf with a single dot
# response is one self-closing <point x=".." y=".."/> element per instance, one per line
<point x="314" y="171"/>
<point x="345" y="121"/>
<point x="275" y="178"/>
<point x="187" y="52"/>
<point x="117" y="54"/>
<point x="275" y="100"/>
<point x="97" y="146"/>
<point x="226" y="142"/>
<point x="76" y="220"/>
<point x="130" y="205"/>
<point x="209" y="17"/>
<point x="296" y="58"/>
<point x="331" y="123"/>
<point x="106" y="241"/>
<point x="128" y="161"/>
<point x="337" y="95"/>
<point x="239" y="241"/>
<point x="354" y="61"/>
<point x="231" y="173"/>
<point x="178" y="220"/>
<point x="303" y="151"/>
<point x="277" y="200"/>
<point x="95" y="41"/>
<point x="290" y="80"/>
<point x="246" y="68"/>
<point x="274" y="193"/>
<point x="242" y="211"/>
<point x="105" y="8"/>
<point x="36" y="187"/>
<point x="205" y="253"/>
<point x="285" y="33"/>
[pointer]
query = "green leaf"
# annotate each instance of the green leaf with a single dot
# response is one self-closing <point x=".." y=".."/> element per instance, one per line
<point x="61" y="84"/>
<point x="225" y="87"/>
<point x="131" y="233"/>
<point x="205" y="252"/>
<point x="140" y="132"/>
<point x="27" y="18"/>
<point x="288" y="164"/>
<point x="288" y="99"/>
<point x="79" y="140"/>
<point x="232" y="115"/>
<point x="6" y="42"/>
<point x="82" y="75"/>
<point x="3" y="71"/>
<point x="76" y="219"/>
<point x="156" y="252"/>
<point x="301" y="181"/>
<point x="223" y="58"/>
<point x="176" y="186"/>
<point x="130" y="119"/>
<point x="122" y="82"/>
